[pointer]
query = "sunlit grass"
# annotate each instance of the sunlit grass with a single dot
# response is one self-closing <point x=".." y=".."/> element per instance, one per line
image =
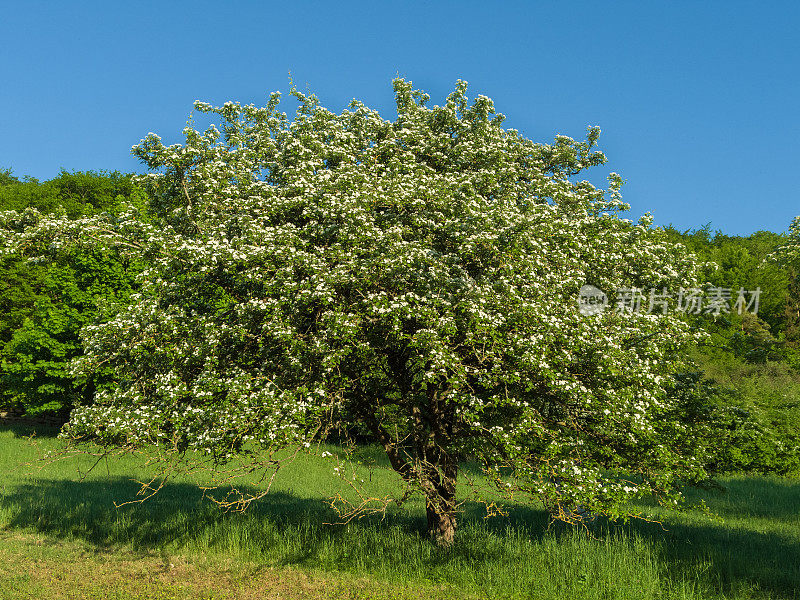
<point x="752" y="550"/>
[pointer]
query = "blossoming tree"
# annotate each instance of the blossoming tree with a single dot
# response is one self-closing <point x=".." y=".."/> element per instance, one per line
<point x="789" y="253"/>
<point x="418" y="277"/>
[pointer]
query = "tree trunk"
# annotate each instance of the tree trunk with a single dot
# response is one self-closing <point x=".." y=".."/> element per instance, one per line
<point x="441" y="525"/>
<point x="440" y="503"/>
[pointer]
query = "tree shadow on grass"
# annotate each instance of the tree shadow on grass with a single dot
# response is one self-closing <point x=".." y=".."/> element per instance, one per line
<point x="87" y="510"/>
<point x="26" y="431"/>
<point x="288" y="529"/>
<point x="731" y="558"/>
<point x="755" y="497"/>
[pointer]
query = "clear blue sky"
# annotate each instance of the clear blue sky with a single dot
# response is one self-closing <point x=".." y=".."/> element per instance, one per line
<point x="699" y="101"/>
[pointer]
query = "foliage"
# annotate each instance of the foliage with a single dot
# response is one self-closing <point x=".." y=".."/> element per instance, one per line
<point x="751" y="421"/>
<point x="758" y="413"/>
<point x="419" y="276"/>
<point x="733" y="263"/>
<point x="6" y="178"/>
<point x="788" y="255"/>
<point x="74" y="193"/>
<point x="790" y="251"/>
<point x="750" y="364"/>
<point x="45" y="303"/>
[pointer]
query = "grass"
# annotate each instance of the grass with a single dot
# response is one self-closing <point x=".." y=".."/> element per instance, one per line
<point x="57" y="533"/>
<point x="34" y="566"/>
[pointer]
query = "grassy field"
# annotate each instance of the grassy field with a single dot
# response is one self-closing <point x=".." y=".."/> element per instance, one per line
<point x="64" y="538"/>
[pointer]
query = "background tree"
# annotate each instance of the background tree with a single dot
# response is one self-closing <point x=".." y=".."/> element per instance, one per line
<point x="45" y="302"/>
<point x="417" y="276"/>
<point x="748" y="368"/>
<point x="788" y="255"/>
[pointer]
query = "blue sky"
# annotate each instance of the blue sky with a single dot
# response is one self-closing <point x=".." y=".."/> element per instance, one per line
<point x="698" y="101"/>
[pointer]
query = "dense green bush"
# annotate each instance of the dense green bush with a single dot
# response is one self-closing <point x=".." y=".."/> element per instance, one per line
<point x="752" y="413"/>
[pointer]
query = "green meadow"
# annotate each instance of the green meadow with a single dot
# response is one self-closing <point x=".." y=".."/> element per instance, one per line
<point x="61" y="536"/>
